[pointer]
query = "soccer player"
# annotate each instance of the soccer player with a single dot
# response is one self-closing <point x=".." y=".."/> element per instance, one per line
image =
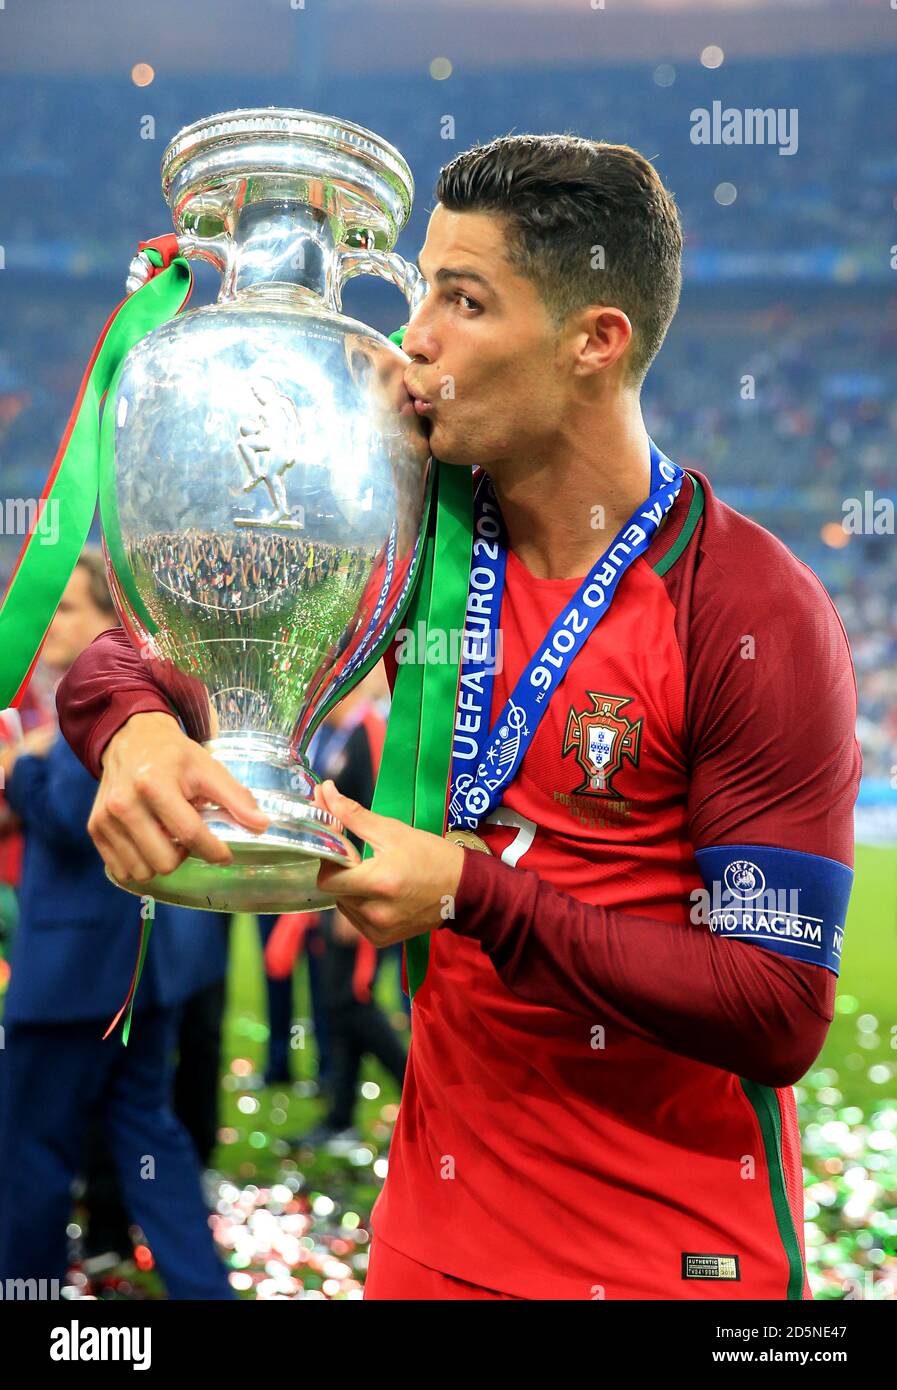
<point x="623" y="988"/>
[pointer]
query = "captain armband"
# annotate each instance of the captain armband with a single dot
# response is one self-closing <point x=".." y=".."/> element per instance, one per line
<point x="783" y="899"/>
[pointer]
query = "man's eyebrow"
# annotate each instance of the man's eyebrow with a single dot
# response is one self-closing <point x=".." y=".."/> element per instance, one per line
<point x="461" y="272"/>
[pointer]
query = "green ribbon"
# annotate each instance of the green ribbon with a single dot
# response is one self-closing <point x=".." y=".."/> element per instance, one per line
<point x="43" y="569"/>
<point x="71" y="492"/>
<point x="146" y="922"/>
<point x="412" y="784"/>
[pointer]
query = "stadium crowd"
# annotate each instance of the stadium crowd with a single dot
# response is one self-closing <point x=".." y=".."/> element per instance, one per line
<point x="783" y="389"/>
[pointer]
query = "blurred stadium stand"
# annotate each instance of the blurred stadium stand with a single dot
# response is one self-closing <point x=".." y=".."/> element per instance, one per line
<point x="790" y="284"/>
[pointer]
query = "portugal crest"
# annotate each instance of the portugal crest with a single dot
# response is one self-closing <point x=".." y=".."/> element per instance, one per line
<point x="601" y="738"/>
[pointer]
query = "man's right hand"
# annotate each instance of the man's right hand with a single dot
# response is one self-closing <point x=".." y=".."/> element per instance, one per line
<point x="152" y="773"/>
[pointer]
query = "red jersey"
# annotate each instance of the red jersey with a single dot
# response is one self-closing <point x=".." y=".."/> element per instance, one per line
<point x="598" y="1096"/>
<point x="553" y="1141"/>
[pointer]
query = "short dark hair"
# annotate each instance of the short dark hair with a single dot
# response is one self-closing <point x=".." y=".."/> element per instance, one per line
<point x="91" y="561"/>
<point x="565" y="196"/>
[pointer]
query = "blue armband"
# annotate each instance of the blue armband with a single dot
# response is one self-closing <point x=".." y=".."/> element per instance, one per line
<point x="790" y="902"/>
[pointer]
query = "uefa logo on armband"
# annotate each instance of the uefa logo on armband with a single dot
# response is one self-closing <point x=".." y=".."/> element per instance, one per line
<point x="744" y="880"/>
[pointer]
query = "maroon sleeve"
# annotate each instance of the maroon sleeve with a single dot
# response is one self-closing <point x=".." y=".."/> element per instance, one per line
<point x="774" y="761"/>
<point x="109" y="682"/>
<point x="771" y="699"/>
<point x="100" y="691"/>
<point x="714" y="1000"/>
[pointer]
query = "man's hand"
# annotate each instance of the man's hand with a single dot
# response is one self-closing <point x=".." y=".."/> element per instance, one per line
<point x="152" y="773"/>
<point x="405" y="888"/>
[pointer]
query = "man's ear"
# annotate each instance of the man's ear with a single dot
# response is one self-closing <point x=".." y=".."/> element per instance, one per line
<point x="601" y="335"/>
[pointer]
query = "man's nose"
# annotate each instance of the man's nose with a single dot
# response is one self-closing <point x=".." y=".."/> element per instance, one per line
<point x="418" y="340"/>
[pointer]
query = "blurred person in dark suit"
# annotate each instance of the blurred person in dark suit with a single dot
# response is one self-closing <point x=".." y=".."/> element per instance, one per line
<point x="279" y="995"/>
<point x="72" y="961"/>
<point x="348" y="747"/>
<point x="36" y="710"/>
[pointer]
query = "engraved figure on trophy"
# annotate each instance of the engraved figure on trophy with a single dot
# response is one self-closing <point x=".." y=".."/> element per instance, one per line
<point x="274" y="439"/>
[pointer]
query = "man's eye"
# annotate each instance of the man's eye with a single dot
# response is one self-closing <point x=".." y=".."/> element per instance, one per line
<point x="469" y="303"/>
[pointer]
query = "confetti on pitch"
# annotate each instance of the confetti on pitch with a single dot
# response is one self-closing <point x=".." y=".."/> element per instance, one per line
<point x="850" y="1193"/>
<point x="289" y="1242"/>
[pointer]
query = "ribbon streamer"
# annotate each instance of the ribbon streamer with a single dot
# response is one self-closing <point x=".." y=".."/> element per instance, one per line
<point x="42" y="571"/>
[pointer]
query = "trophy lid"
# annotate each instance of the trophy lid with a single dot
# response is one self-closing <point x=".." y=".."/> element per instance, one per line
<point x="216" y="164"/>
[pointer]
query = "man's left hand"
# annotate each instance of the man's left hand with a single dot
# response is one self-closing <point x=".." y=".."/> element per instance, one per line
<point x="406" y="888"/>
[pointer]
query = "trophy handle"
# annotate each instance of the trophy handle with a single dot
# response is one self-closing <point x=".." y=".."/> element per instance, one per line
<point x="217" y="250"/>
<point x="387" y="264"/>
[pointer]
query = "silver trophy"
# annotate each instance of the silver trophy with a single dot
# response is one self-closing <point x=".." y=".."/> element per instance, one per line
<point x="265" y="479"/>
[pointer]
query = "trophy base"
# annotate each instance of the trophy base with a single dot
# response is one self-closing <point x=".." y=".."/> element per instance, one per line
<point x="273" y="872"/>
<point x="267" y="875"/>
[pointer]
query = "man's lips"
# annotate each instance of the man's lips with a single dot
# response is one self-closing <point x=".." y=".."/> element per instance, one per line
<point x="419" y="402"/>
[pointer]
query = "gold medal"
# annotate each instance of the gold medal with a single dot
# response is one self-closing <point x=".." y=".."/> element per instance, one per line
<point x="467" y="840"/>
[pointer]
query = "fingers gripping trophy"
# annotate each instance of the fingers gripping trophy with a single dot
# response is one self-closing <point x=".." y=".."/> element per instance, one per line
<point x="263" y="478"/>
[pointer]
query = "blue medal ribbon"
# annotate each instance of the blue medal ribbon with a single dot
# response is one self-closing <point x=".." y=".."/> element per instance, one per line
<point x="481" y="769"/>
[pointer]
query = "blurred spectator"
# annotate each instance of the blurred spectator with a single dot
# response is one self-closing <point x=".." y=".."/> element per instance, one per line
<point x="307" y="941"/>
<point x="72" y="960"/>
<point x="348" y="750"/>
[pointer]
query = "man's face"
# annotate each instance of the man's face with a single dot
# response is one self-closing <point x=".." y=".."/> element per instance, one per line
<point x="77" y="622"/>
<point x="483" y="345"/>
